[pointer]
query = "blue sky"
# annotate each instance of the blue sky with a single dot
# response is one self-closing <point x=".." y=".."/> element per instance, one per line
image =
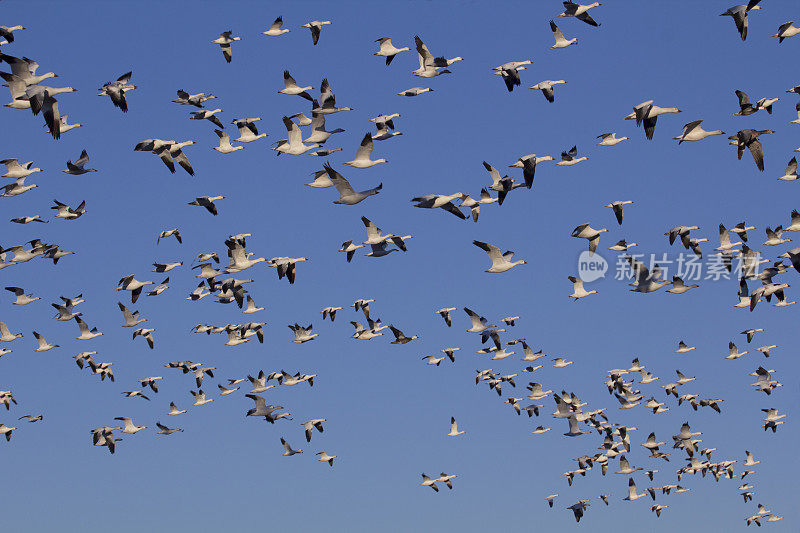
<point x="388" y="414"/>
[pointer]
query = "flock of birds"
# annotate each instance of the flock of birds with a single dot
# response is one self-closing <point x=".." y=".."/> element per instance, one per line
<point x="218" y="280"/>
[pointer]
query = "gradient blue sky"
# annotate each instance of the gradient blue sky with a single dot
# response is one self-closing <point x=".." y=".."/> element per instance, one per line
<point x="387" y="412"/>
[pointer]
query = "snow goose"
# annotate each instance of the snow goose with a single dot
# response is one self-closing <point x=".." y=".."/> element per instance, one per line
<point x="68" y="213"/>
<point x="683" y="348"/>
<point x="129" y="427"/>
<point x="302" y="334"/>
<point x="501" y="262"/>
<point x="166" y="267"/>
<point x="315" y="26"/>
<point x="291" y="87"/>
<point x="161" y="287"/>
<point x="383" y="125"/>
<point x="147" y="334"/>
<point x="725" y="240"/>
<point x="275" y="28"/>
<point x="321" y="180"/>
<point x="325" y="152"/>
<point x="733" y="351"/>
<point x="558" y="35"/>
<point x="362" y="158"/>
<point x="739" y="15"/>
<point x="433" y="360"/>
<point x="134" y="394"/>
<point x="224" y="41"/>
<point x="330" y="312"/>
<point x="225" y="146"/>
<point x="164" y="430"/>
<point x="547" y="88"/>
<point x="560" y="362"/>
<point x="28" y="219"/>
<point x="86" y="333"/>
<point x="207" y="202"/>
<point x="658" y="508"/>
<point x="478" y="323"/>
<point x="196" y="100"/>
<point x="632" y="495"/>
<point x="207" y="115"/>
<point x="310" y="425"/>
<point x="131" y="318"/>
<point x="4" y="429"/>
<point x="285" y="266"/>
<point x="288" y="450"/>
<point x="528" y="165"/>
<point x="645" y="280"/>
<point x="31" y="418"/>
<point x="445" y="314"/>
<point x="791" y="171"/>
<point x="400" y="337"/>
<point x="200" y="398"/>
<point x="693" y="132"/>
<point x="617" y="207"/>
<point x="367" y="333"/>
<point x="251" y="306"/>
<point x="454" y="432"/>
<point x="388" y="50"/>
<point x="328" y="100"/>
<point x="318" y="132"/>
<point x="78" y="167"/>
<point x="774" y="237"/>
<point x="505" y="184"/>
<point x="350" y="249"/>
<point x="35" y="94"/>
<point x="18" y="89"/>
<point x="750" y="333"/>
<point x="568" y="158"/>
<point x="745" y="106"/>
<point x="324" y="457"/>
<point x="63" y="127"/>
<point x="293" y="145"/>
<point x="415" y="91"/>
<point x="446" y="479"/>
<point x="224" y="391"/>
<point x="248" y="132"/>
<point x="577" y="288"/>
<point x="797" y="120"/>
<point x="647" y="113"/>
<point x="15" y="170"/>
<point x="116" y="91"/>
<point x="475" y="205"/>
<point x="43" y="344"/>
<point x="16" y="188"/>
<point x="748" y="138"/>
<point x="129" y="283"/>
<point x="610" y="139"/>
<point x="26" y="69"/>
<point x="21" y="297"/>
<point x="7" y="32"/>
<point x="347" y="195"/>
<point x="581" y="12"/>
<point x="432" y="201"/>
<point x="428" y="482"/>
<point x="510" y="73"/>
<point x="430" y="66"/>
<point x="678" y="287"/>
<point x="585" y="231"/>
<point x="574" y="430"/>
<point x="795" y="221"/>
